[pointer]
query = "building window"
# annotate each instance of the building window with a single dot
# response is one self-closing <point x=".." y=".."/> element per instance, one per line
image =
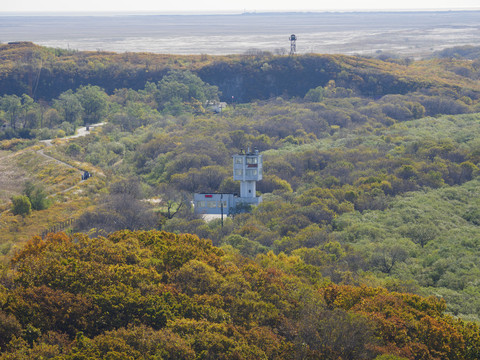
<point x="238" y="160"/>
<point x="251" y="172"/>
<point x="219" y="205"/>
<point x="252" y="160"/>
<point x="201" y="204"/>
<point x="238" y="172"/>
<point x="211" y="204"/>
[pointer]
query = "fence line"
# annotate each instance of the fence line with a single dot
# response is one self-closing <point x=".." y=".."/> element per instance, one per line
<point x="57" y="227"/>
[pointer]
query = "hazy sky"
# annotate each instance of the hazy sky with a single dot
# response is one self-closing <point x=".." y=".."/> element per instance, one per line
<point x="229" y="6"/>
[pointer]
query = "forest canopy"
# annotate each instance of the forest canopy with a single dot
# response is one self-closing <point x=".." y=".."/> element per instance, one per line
<point x="154" y="294"/>
<point x="369" y="224"/>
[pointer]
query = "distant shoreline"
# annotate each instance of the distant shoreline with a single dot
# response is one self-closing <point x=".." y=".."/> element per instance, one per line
<point x="415" y="34"/>
<point x="224" y="13"/>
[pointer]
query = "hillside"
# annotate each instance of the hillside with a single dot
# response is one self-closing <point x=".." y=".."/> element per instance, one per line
<point x="44" y="73"/>
<point x="369" y="223"/>
<point x="158" y="295"/>
<point x="61" y="183"/>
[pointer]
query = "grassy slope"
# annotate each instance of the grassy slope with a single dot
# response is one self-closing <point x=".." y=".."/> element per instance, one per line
<point x="11" y="177"/>
<point x="70" y="197"/>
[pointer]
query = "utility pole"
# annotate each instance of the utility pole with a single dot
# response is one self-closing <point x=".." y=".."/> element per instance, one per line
<point x="221" y="207"/>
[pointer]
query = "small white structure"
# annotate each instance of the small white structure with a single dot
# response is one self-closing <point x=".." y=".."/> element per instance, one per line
<point x="213" y="204"/>
<point x="216" y="106"/>
<point x="248" y="169"/>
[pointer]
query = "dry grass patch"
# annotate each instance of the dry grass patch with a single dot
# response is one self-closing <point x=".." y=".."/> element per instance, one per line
<point x="12" y="176"/>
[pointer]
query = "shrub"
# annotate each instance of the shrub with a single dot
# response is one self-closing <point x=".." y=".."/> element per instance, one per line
<point x="73" y="150"/>
<point x="21" y="205"/>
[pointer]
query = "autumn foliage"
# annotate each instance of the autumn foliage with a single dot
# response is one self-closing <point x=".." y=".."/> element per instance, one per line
<point x="152" y="294"/>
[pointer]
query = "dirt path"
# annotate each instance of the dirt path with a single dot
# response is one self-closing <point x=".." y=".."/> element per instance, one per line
<point x="80" y="132"/>
<point x="4" y="171"/>
<point x="41" y="152"/>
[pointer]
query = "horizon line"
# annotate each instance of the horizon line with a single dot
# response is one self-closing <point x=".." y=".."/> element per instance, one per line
<point x="226" y="12"/>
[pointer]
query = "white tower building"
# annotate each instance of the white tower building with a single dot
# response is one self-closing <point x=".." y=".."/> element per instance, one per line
<point x="248" y="169"/>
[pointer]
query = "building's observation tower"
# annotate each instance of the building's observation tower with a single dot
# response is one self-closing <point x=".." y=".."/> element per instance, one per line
<point x="248" y="169"/>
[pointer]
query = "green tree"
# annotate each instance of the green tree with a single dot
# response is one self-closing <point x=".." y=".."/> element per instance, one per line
<point x="12" y="105"/>
<point x="73" y="150"/>
<point x="421" y="233"/>
<point x="417" y="109"/>
<point x="180" y="87"/>
<point x="389" y="254"/>
<point x="37" y="196"/>
<point x="21" y="205"/>
<point x="94" y="103"/>
<point x="315" y="95"/>
<point x="246" y="246"/>
<point x="69" y="105"/>
<point x="29" y="116"/>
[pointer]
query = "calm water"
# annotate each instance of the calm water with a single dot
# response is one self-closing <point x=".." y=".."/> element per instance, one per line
<point x="406" y="33"/>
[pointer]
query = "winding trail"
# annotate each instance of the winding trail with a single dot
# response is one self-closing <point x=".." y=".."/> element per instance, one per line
<point x="41" y="152"/>
<point x="80" y="132"/>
